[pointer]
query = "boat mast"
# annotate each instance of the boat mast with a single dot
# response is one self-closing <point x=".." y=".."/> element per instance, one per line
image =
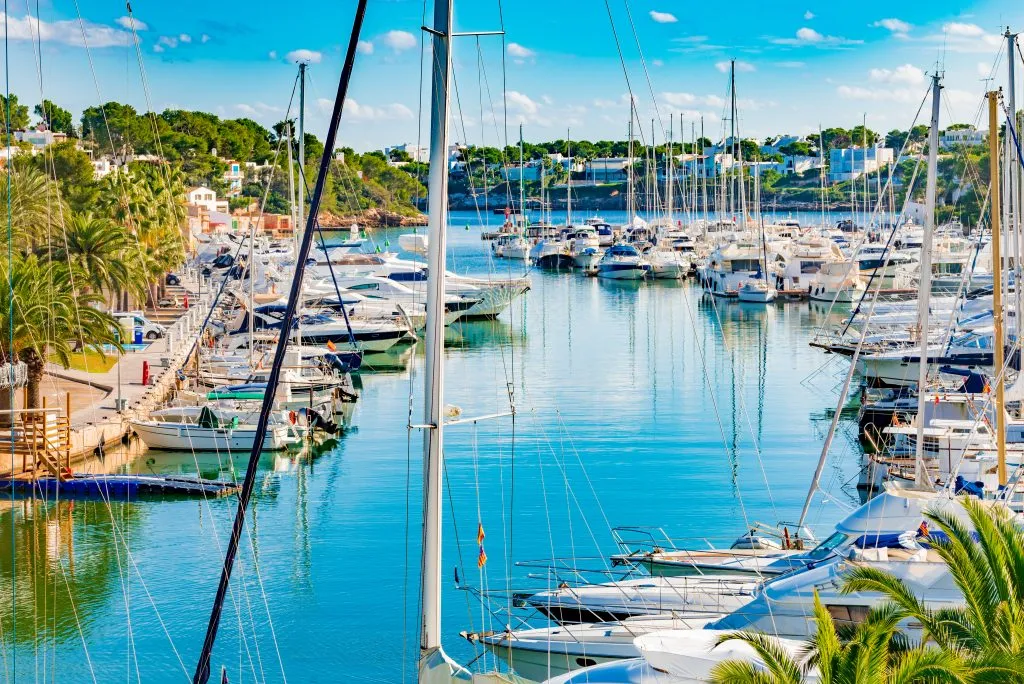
<point x="202" y="671"/>
<point x="997" y="285"/>
<point x="433" y="410"/>
<point x="821" y="160"/>
<point x="668" y="172"/>
<point x="925" y="288"/>
<point x="568" y="180"/>
<point x="629" y="172"/>
<point x="739" y="152"/>
<point x="704" y="176"/>
<point x="302" y="140"/>
<point x="522" y="180"/>
<point x="1013" y="180"/>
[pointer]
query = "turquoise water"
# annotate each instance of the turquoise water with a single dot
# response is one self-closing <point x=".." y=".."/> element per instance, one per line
<point x="617" y="424"/>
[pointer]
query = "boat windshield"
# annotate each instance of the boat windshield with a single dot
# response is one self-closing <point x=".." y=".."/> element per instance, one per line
<point x="828" y="546"/>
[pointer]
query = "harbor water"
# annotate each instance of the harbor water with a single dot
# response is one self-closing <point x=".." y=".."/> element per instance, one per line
<point x="636" y="404"/>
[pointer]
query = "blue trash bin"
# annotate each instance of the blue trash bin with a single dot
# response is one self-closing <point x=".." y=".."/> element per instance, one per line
<point x="138" y="336"/>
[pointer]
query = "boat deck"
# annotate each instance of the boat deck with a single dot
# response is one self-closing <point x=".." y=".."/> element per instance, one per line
<point x="118" y="487"/>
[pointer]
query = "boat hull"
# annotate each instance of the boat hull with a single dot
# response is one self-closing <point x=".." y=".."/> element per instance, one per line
<point x="623" y="271"/>
<point x="181" y="437"/>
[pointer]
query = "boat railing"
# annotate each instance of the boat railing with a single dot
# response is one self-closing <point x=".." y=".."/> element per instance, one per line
<point x="640" y="539"/>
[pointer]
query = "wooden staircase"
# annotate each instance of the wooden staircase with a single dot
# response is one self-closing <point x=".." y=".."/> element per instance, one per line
<point x="45" y="443"/>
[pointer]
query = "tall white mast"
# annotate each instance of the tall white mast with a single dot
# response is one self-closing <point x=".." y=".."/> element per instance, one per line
<point x="668" y="172"/>
<point x="522" y="180"/>
<point x="629" y="171"/>
<point x="568" y="180"/>
<point x="925" y="290"/>
<point x="433" y="413"/>
<point x="1013" y="180"/>
<point x="739" y="153"/>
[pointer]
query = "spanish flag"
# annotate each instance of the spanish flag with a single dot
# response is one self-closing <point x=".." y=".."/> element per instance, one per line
<point x="481" y="558"/>
<point x="480" y="534"/>
<point x="330" y="345"/>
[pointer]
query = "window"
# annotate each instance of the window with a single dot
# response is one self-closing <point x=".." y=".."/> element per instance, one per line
<point x="850" y="615"/>
<point x="365" y="286"/>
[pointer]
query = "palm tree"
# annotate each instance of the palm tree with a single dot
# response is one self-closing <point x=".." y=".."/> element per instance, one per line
<point x="987" y="565"/>
<point x="46" y="317"/>
<point x="871" y="653"/>
<point x="102" y="253"/>
<point x="37" y="210"/>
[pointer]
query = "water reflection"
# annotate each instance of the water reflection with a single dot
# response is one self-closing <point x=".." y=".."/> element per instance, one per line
<point x="61" y="563"/>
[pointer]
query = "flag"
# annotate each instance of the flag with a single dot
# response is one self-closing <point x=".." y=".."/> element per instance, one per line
<point x="923" y="529"/>
<point x="481" y="558"/>
<point x="480" y="534"/>
<point x="331" y="346"/>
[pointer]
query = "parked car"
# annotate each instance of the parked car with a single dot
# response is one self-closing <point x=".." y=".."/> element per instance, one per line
<point x="148" y="329"/>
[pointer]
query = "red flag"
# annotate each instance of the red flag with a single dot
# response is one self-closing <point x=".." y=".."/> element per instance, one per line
<point x="330" y="345"/>
<point x="481" y="558"/>
<point x="479" y="534"/>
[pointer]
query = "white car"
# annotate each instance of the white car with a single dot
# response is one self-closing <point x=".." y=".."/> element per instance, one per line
<point x="150" y="330"/>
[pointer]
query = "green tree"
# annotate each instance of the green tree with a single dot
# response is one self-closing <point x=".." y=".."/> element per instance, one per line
<point x="19" y="113"/>
<point x="56" y="118"/>
<point x="800" y="148"/>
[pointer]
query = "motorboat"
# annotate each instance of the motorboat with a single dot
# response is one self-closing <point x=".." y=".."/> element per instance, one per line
<point x="210" y="428"/>
<point x="757" y="291"/>
<point x="551" y="253"/>
<point x="623" y="262"/>
<point x="318" y="329"/>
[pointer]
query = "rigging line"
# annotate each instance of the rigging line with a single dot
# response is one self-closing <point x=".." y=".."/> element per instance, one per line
<point x="202" y="673"/>
<point x="10" y="338"/>
<point x="163" y="172"/>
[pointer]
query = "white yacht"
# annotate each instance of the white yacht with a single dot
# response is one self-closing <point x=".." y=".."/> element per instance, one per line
<point x="211" y="428"/>
<point x="622" y="262"/>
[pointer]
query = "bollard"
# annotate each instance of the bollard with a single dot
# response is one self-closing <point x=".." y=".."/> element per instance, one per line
<point x="145" y="373"/>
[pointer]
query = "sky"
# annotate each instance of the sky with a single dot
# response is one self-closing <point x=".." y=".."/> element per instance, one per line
<point x="566" y="67"/>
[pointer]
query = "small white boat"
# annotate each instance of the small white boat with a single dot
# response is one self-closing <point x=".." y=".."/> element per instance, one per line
<point x="623" y="262"/>
<point x="667" y="263"/>
<point x="511" y="246"/>
<point x="206" y="428"/>
<point x="757" y="291"/>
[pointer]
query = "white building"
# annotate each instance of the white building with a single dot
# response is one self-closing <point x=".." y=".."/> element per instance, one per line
<point x="851" y="163"/>
<point x="204" y="197"/>
<point x="775" y="145"/>
<point x="608" y="169"/>
<point x="39" y="137"/>
<point x="418" y="153"/>
<point x="233" y="177"/>
<point x="101" y="168"/>
<point x="967" y="137"/>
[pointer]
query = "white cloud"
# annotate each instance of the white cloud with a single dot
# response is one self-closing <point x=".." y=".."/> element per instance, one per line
<point x="360" y="112"/>
<point x="663" y="17"/>
<point x="67" y="32"/>
<point x="546" y="99"/>
<point x="399" y="40"/>
<point x="260" y="108"/>
<point x="689" y="100"/>
<point x="364" y="47"/>
<point x="126" y="22"/>
<point x="790" y="64"/>
<point x="204" y="38"/>
<point x="167" y="41"/>
<point x="900" y="95"/>
<point x="185" y="38"/>
<point x="741" y="66"/>
<point x="304" y="55"/>
<point x="158" y="48"/>
<point x="517" y="50"/>
<point x="605" y="104"/>
<point x="272" y="54"/>
<point x="897" y="26"/>
<point x="808" y="15"/>
<point x="520" y="102"/>
<point x="984" y="70"/>
<point x="956" y="28"/>
<point x="657" y="62"/>
<point x="966" y="38"/>
<point x="807" y="36"/>
<point x="906" y="74"/>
